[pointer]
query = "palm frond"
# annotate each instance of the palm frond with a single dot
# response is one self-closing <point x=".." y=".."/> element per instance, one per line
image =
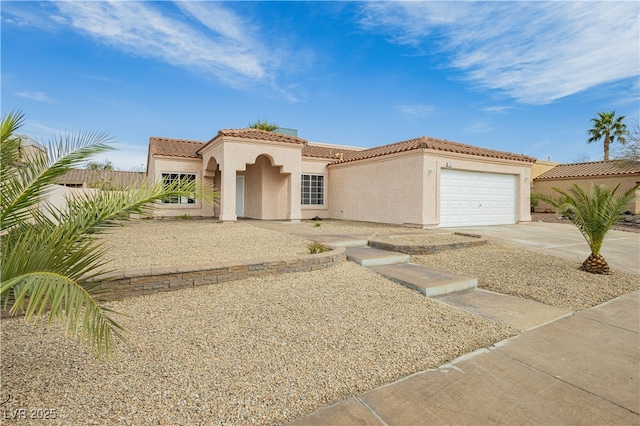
<point x="62" y="296"/>
<point x="51" y="260"/>
<point x="10" y="146"/>
<point x="93" y="212"/>
<point x="28" y="184"/>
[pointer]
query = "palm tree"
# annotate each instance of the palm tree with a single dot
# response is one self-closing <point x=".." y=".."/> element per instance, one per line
<point x="610" y="128"/>
<point x="594" y="214"/>
<point x="51" y="261"/>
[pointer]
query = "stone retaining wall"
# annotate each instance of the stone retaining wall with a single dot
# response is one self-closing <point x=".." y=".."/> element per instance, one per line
<point x="155" y="280"/>
<point x="416" y="250"/>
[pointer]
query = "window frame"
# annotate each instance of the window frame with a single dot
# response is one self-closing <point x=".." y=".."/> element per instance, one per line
<point x="179" y="200"/>
<point x="314" y="192"/>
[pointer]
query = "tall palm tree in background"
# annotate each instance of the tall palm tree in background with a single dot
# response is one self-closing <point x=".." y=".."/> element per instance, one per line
<point x="610" y="128"/>
<point x="594" y="214"/>
<point x="51" y="261"/>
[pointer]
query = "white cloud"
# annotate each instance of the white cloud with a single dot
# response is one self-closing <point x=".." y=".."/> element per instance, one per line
<point x="535" y="52"/>
<point x="497" y="109"/>
<point x="479" y="126"/>
<point x="415" y="111"/>
<point x="220" y="45"/>
<point x="35" y="96"/>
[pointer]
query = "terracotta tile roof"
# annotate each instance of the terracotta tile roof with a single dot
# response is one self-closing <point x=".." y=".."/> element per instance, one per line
<point x="598" y="168"/>
<point x="333" y="153"/>
<point x="434" y="144"/>
<point x="256" y="134"/>
<point x="113" y="177"/>
<point x="174" y="147"/>
<point x="259" y="135"/>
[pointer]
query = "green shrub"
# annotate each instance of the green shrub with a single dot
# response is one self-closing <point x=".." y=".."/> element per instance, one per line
<point x="315" y="248"/>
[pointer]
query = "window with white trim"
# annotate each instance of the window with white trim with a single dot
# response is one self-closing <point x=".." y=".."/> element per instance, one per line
<point x="177" y="178"/>
<point x="312" y="190"/>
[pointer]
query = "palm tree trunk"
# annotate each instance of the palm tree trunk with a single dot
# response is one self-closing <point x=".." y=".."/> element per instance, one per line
<point x="607" y="141"/>
<point x="595" y="264"/>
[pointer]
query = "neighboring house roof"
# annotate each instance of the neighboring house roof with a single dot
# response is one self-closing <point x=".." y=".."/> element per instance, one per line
<point x="114" y="178"/>
<point x="593" y="169"/>
<point x="28" y="141"/>
<point x="434" y="144"/>
<point x="174" y="147"/>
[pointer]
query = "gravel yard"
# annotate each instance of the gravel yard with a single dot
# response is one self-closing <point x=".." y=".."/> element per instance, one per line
<point x="269" y="350"/>
<point x="143" y="244"/>
<point x="256" y="351"/>
<point x="548" y="279"/>
<point x="355" y="228"/>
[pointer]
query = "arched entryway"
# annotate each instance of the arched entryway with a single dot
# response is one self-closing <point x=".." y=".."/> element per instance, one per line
<point x="266" y="190"/>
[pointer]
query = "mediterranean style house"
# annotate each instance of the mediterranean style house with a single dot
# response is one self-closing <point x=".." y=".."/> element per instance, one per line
<point x="423" y="182"/>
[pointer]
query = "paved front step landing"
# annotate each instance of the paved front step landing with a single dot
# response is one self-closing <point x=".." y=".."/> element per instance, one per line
<point x="521" y="314"/>
<point x="367" y="256"/>
<point x="430" y="282"/>
<point x="332" y="241"/>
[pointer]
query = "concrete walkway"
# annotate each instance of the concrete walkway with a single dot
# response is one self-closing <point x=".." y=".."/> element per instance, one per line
<point x="581" y="369"/>
<point x="621" y="249"/>
<point x="565" y="368"/>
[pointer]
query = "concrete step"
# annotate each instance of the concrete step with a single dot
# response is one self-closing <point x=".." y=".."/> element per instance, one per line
<point x="430" y="282"/>
<point x="521" y="314"/>
<point x="368" y="256"/>
<point x="333" y="241"/>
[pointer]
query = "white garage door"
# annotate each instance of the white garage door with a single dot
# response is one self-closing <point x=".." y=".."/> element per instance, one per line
<point x="472" y="198"/>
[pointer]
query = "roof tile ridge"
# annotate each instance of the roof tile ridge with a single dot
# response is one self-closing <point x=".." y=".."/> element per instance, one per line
<point x="158" y="138"/>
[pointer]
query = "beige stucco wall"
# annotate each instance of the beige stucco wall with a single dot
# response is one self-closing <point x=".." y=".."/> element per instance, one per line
<point x="317" y="166"/>
<point x="384" y="189"/>
<point x="404" y="188"/>
<point x="266" y="191"/>
<point x="161" y="165"/>
<point x="58" y="195"/>
<point x="233" y="155"/>
<point x="626" y="182"/>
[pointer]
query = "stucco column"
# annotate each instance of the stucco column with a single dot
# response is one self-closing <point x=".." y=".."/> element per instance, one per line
<point x="524" y="209"/>
<point x="208" y="208"/>
<point x="295" y="178"/>
<point x="228" y="194"/>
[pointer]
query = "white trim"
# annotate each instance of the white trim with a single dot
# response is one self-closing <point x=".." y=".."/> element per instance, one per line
<point x="240" y="195"/>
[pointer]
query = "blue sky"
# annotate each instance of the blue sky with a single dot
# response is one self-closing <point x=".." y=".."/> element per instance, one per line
<point x="523" y="77"/>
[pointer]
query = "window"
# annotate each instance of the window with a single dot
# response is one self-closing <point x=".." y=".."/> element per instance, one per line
<point x="312" y="190"/>
<point x="174" y="178"/>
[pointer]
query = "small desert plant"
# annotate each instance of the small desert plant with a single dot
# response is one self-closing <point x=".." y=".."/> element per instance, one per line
<point x="184" y="217"/>
<point x="315" y="248"/>
<point x="263" y="125"/>
<point x="317" y="225"/>
<point x="594" y="213"/>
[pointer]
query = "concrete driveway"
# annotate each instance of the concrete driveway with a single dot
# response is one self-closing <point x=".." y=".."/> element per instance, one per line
<point x="621" y="249"/>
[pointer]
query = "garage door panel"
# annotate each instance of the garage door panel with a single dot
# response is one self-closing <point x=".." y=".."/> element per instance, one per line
<point x="474" y="198"/>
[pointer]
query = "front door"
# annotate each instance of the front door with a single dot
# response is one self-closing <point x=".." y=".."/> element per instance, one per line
<point x="239" y="195"/>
